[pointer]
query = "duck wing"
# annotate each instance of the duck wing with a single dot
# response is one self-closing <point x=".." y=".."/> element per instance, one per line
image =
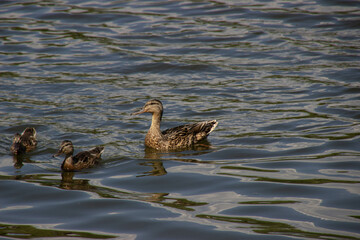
<point x="190" y="132"/>
<point x="84" y="160"/>
<point x="87" y="159"/>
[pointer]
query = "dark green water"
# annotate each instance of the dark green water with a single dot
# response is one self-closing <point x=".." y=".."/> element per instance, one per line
<point x="281" y="77"/>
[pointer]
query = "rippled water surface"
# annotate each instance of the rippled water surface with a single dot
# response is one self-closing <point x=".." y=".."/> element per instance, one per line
<point x="281" y="77"/>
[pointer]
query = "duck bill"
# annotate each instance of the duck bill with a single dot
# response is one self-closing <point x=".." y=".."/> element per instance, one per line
<point x="57" y="154"/>
<point x="139" y="112"/>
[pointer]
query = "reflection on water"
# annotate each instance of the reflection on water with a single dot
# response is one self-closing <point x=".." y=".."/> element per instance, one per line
<point x="157" y="168"/>
<point x="68" y="183"/>
<point x="281" y="77"/>
<point x="270" y="227"/>
<point x="28" y="232"/>
<point x="157" y="165"/>
<point x="279" y="179"/>
<point x="18" y="161"/>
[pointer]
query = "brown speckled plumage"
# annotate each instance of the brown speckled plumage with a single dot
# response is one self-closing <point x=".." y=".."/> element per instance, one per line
<point x="85" y="159"/>
<point x="179" y="137"/>
<point x="24" y="142"/>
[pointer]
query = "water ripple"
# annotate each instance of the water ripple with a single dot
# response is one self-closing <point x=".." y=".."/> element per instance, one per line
<point x="280" y="77"/>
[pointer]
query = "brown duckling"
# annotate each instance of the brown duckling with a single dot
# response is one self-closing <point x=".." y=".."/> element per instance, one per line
<point x="85" y="159"/>
<point x="24" y="142"/>
<point x="180" y="137"/>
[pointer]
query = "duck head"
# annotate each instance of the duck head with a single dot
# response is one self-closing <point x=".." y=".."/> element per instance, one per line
<point x="66" y="148"/>
<point x="153" y="106"/>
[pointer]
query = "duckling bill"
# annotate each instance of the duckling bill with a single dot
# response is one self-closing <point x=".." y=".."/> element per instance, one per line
<point x="180" y="137"/>
<point x="85" y="159"/>
<point x="24" y="142"/>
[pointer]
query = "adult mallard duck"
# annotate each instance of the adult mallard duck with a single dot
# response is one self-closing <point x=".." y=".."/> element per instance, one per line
<point x="24" y="142"/>
<point x="180" y="137"/>
<point x="85" y="159"/>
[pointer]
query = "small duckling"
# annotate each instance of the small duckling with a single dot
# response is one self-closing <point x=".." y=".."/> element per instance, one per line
<point x="180" y="137"/>
<point x="24" y="142"/>
<point x="85" y="159"/>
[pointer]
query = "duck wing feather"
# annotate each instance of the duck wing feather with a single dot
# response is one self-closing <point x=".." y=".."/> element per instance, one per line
<point x="194" y="132"/>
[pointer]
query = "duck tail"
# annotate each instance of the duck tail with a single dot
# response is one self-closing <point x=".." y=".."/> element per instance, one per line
<point x="203" y="129"/>
<point x="30" y="132"/>
<point x="214" y="124"/>
<point x="97" y="151"/>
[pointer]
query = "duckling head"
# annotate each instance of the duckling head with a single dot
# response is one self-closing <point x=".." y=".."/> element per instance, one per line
<point x="66" y="148"/>
<point x="153" y="106"/>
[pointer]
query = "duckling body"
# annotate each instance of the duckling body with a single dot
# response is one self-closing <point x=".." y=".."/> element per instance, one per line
<point x="180" y="137"/>
<point x="24" y="142"/>
<point x="85" y="159"/>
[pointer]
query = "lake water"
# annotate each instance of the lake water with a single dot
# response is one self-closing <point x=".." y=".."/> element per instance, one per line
<point x="281" y="77"/>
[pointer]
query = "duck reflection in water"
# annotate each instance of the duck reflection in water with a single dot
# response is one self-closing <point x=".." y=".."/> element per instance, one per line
<point x="157" y="165"/>
<point x="157" y="157"/>
<point x="19" y="160"/>
<point x="67" y="182"/>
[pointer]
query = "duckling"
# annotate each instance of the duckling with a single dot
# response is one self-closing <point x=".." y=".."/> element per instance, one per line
<point x="180" y="137"/>
<point x="85" y="159"/>
<point x="24" y="142"/>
